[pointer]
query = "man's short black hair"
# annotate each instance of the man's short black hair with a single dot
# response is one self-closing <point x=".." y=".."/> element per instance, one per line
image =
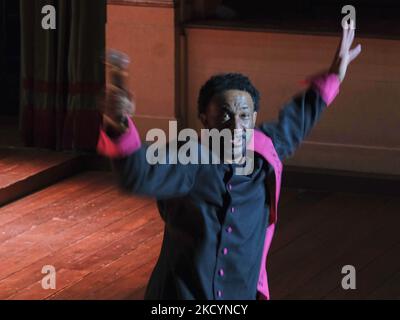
<point x="222" y="82"/>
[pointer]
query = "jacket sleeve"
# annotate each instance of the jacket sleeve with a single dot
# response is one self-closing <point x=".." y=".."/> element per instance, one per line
<point x="135" y="174"/>
<point x="300" y="115"/>
<point x="162" y="181"/>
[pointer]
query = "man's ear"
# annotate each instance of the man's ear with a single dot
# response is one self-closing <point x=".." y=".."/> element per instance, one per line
<point x="254" y="118"/>
<point x="203" y="120"/>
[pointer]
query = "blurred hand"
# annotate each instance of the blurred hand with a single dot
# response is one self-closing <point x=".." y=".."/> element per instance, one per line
<point x="345" y="55"/>
<point x="117" y="104"/>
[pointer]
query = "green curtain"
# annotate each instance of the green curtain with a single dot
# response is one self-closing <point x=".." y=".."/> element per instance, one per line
<point x="62" y="74"/>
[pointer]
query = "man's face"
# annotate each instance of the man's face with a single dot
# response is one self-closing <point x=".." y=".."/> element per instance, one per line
<point x="231" y="109"/>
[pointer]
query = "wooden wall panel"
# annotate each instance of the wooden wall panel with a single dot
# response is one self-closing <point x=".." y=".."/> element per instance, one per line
<point x="147" y="34"/>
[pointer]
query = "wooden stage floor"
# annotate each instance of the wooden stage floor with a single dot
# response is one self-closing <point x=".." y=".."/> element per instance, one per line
<point x="104" y="243"/>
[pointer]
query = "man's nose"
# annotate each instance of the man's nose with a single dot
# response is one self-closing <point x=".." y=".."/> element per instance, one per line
<point x="236" y="124"/>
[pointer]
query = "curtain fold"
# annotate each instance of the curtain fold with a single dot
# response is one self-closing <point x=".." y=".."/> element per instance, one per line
<point x="62" y="74"/>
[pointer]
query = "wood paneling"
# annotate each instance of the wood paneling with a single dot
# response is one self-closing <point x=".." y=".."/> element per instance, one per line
<point x="147" y="35"/>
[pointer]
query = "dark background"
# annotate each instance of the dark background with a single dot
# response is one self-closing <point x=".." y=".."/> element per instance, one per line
<point x="9" y="56"/>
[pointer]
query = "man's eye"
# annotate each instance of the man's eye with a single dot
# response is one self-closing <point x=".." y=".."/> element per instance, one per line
<point x="226" y="117"/>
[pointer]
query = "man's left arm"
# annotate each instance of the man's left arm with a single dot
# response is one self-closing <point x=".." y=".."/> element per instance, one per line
<point x="299" y="116"/>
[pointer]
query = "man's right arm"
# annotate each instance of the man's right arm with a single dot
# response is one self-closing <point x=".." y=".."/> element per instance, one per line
<point x="136" y="175"/>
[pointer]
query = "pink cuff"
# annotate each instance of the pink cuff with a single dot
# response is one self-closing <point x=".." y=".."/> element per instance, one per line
<point x="120" y="147"/>
<point x="327" y="85"/>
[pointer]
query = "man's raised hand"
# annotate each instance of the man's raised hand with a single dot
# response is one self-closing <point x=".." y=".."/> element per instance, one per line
<point x="118" y="103"/>
<point x="345" y="55"/>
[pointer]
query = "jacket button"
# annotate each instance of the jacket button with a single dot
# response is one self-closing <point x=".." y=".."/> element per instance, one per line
<point x="229" y="229"/>
<point x="229" y="186"/>
<point x="233" y="209"/>
<point x="221" y="272"/>
<point x="219" y="293"/>
<point x="225" y="251"/>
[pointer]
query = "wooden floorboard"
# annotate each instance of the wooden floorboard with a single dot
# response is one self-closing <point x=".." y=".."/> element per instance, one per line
<point x="376" y="256"/>
<point x="104" y="243"/>
<point x="83" y="221"/>
<point x="333" y="225"/>
<point x="20" y="163"/>
<point x="88" y="253"/>
<point x="118" y="277"/>
<point x="297" y="216"/>
<point x="59" y="213"/>
<point x="390" y="288"/>
<point x="26" y="170"/>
